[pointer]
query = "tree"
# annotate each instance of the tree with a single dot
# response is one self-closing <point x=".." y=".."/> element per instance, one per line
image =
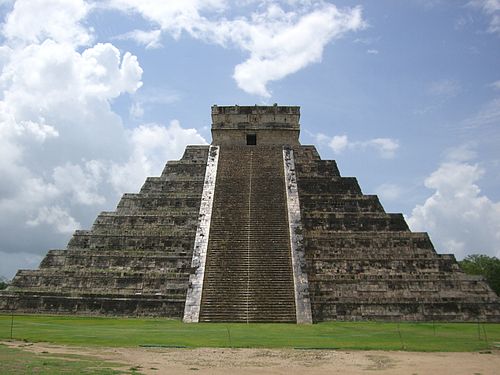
<point x="4" y="283"/>
<point x="488" y="267"/>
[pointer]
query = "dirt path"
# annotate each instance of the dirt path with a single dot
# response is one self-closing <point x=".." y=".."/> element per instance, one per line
<point x="282" y="361"/>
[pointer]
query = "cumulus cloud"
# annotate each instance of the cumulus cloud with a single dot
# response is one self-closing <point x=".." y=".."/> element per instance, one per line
<point x="338" y="143"/>
<point x="53" y="96"/>
<point x="174" y="16"/>
<point x="81" y="183"/>
<point x="389" y="192"/>
<point x="152" y="145"/>
<point x="33" y="21"/>
<point x="461" y="153"/>
<point x="385" y="147"/>
<point x="60" y="139"/>
<point x="278" y="48"/>
<point x="459" y="218"/>
<point x="279" y="41"/>
<point x="57" y="217"/>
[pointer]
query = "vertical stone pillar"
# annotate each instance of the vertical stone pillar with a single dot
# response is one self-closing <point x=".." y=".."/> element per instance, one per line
<point x="195" y="288"/>
<point x="300" y="281"/>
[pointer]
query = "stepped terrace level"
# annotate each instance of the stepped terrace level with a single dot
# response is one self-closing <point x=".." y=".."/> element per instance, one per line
<point x="254" y="227"/>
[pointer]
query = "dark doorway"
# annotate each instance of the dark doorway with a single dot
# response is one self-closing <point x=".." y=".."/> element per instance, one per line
<point x="251" y="139"/>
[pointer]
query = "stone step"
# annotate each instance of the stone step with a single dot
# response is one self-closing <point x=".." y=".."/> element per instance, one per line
<point x="350" y="222"/>
<point x="142" y="240"/>
<point x="235" y="273"/>
<point x="327" y="185"/>
<point x="341" y="203"/>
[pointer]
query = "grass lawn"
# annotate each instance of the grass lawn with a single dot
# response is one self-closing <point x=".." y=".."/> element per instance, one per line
<point x="123" y="332"/>
<point x="15" y="361"/>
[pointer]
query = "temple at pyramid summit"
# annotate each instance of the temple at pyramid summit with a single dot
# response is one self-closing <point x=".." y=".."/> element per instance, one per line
<point x="252" y="228"/>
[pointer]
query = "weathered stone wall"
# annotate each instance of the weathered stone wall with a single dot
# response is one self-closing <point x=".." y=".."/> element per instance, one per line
<point x="199" y="259"/>
<point x="297" y="246"/>
<point x="234" y="138"/>
<point x="275" y="125"/>
<point x="365" y="264"/>
<point x="134" y="261"/>
<point x="255" y="117"/>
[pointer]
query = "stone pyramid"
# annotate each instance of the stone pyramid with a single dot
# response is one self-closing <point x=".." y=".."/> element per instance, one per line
<point x="253" y="228"/>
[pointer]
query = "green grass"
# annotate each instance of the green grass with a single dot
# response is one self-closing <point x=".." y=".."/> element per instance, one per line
<point x="15" y="361"/>
<point x="122" y="332"/>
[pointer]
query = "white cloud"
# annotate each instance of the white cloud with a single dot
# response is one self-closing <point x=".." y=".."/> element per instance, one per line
<point x="368" y="41"/>
<point x="51" y="83"/>
<point x="446" y="88"/>
<point x="389" y="192"/>
<point x="279" y="42"/>
<point x="173" y="16"/>
<point x="33" y="21"/>
<point x="40" y="132"/>
<point x="80" y="182"/>
<point x="492" y="9"/>
<point x="152" y="145"/>
<point x="278" y="48"/>
<point x="459" y="218"/>
<point x="372" y="51"/>
<point x="54" y="112"/>
<point x="103" y="74"/>
<point x="339" y="143"/>
<point x="56" y="115"/>
<point x="57" y="217"/>
<point x="385" y="147"/>
<point x="461" y="153"/>
<point x="42" y="77"/>
<point x="496" y="85"/>
<point x="488" y="117"/>
<point x="60" y="140"/>
<point x="149" y="39"/>
<point x="320" y="137"/>
<point x="136" y="110"/>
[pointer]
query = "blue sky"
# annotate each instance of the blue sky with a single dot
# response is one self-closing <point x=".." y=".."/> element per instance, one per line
<point x="97" y="95"/>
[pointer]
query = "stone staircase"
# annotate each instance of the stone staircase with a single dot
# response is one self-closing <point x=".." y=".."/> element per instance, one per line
<point x="248" y="274"/>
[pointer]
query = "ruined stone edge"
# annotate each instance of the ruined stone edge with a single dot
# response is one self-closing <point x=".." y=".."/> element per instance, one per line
<point x="300" y="281"/>
<point x="195" y="288"/>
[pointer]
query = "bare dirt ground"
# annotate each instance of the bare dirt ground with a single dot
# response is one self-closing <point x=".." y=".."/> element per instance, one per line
<point x="281" y="361"/>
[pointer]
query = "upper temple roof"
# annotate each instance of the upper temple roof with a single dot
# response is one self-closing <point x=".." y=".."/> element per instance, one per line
<point x="255" y="117"/>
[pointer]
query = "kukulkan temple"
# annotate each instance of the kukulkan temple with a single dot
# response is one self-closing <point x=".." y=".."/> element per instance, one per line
<point x="252" y="228"/>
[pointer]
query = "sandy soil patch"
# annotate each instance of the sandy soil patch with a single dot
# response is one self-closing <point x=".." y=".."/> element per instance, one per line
<point x="282" y="361"/>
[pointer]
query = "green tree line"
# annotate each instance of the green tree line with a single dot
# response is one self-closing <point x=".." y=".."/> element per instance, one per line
<point x="488" y="267"/>
<point x="4" y="283"/>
